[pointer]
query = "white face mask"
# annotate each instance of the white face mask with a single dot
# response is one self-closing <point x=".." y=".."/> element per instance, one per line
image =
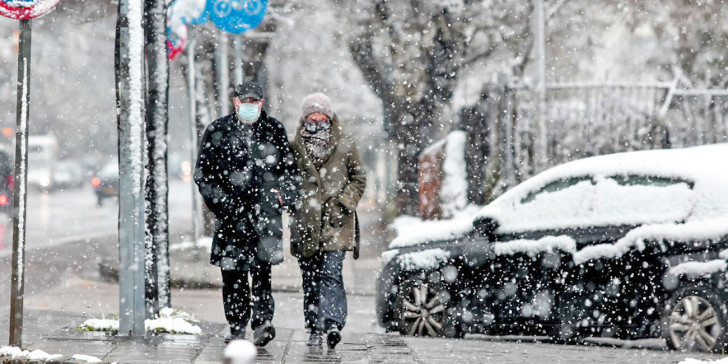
<point x="248" y="112"/>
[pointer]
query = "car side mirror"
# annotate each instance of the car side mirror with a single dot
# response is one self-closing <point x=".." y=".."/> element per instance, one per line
<point x="486" y="226"/>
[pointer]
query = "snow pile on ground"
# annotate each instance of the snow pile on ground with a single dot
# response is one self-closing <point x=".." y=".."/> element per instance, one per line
<point x="454" y="191"/>
<point x="86" y="358"/>
<point x="698" y="269"/>
<point x="204" y="242"/>
<point x="100" y="325"/>
<point x="426" y="259"/>
<point x="535" y="247"/>
<point x="170" y="321"/>
<point x="12" y="352"/>
<point x="172" y="325"/>
<point x="413" y="230"/>
<point x="696" y="361"/>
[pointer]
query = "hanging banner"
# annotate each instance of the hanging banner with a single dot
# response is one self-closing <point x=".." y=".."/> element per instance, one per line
<point x="236" y="16"/>
<point x="26" y="9"/>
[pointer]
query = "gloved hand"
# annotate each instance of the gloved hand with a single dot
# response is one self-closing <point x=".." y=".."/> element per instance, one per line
<point x="337" y="213"/>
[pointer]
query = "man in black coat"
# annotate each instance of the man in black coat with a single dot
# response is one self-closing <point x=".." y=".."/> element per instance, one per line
<point x="247" y="174"/>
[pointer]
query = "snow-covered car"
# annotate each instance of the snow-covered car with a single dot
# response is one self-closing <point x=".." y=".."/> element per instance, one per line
<point x="629" y="245"/>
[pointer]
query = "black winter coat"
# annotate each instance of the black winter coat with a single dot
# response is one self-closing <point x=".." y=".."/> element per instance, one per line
<point x="236" y="179"/>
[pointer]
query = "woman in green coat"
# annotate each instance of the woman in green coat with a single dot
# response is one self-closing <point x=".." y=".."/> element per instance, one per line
<point x="325" y="224"/>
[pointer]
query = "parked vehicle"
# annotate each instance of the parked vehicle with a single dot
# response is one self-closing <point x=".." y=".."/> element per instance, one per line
<point x="42" y="158"/>
<point x="68" y="174"/>
<point x="106" y="183"/>
<point x="630" y="245"/>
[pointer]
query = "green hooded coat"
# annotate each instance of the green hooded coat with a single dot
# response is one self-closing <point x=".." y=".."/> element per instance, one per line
<point x="340" y="179"/>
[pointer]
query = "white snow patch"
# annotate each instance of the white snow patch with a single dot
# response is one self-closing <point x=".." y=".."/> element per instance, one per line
<point x="426" y="259"/>
<point x="413" y="230"/>
<point x="136" y="96"/>
<point x="709" y="229"/>
<point x="170" y="321"/>
<point x="610" y="202"/>
<point x="101" y="324"/>
<point x="86" y="358"/>
<point x="534" y="247"/>
<point x="388" y="255"/>
<point x="12" y="352"/>
<point x="698" y="269"/>
<point x="172" y="325"/>
<point x="696" y="361"/>
<point x="454" y="192"/>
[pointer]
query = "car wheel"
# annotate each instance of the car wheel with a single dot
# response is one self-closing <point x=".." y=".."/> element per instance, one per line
<point x="423" y="309"/>
<point x="695" y="320"/>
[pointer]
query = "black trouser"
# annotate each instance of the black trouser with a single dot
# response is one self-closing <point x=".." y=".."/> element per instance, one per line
<point x="324" y="297"/>
<point x="236" y="295"/>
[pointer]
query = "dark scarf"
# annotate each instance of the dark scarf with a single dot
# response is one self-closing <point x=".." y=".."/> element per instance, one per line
<point x="318" y="146"/>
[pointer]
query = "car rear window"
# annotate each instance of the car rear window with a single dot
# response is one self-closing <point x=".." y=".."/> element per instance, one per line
<point x="654" y="181"/>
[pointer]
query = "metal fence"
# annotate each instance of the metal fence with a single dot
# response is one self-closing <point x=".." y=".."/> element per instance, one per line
<point x="583" y="120"/>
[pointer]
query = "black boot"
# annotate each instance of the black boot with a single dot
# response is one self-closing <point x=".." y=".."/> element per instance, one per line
<point x="263" y="334"/>
<point x="315" y="339"/>
<point x="235" y="334"/>
<point x="333" y="336"/>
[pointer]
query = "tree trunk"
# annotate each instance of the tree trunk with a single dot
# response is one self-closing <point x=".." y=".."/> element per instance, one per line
<point x="157" y="219"/>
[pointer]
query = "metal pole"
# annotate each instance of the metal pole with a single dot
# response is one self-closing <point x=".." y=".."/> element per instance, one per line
<point x="193" y="143"/>
<point x="17" y="285"/>
<point x="238" y="60"/>
<point x="541" y="139"/>
<point x="130" y="108"/>
<point x="223" y="81"/>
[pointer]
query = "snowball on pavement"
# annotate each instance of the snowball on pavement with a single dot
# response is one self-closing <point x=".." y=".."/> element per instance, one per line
<point x="240" y="352"/>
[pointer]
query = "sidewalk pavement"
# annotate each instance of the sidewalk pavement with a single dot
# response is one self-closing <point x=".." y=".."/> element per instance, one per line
<point x="54" y="333"/>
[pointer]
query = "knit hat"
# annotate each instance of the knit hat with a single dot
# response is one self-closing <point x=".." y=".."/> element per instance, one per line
<point x="317" y="102"/>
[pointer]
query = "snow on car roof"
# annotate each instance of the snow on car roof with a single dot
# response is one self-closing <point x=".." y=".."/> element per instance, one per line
<point x="700" y="166"/>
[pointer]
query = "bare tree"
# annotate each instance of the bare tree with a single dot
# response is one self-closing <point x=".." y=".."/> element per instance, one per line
<point x="412" y="54"/>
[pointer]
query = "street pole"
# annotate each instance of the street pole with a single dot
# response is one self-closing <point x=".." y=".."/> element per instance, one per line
<point x="193" y="144"/>
<point x="17" y="285"/>
<point x="223" y="74"/>
<point x="130" y="113"/>
<point x="238" y="60"/>
<point x="542" y="137"/>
